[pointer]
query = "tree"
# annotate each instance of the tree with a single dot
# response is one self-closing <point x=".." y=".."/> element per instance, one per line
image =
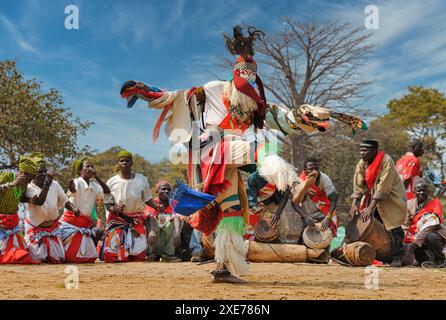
<point x="33" y="120"/>
<point x="315" y="63"/>
<point x="422" y="112"/>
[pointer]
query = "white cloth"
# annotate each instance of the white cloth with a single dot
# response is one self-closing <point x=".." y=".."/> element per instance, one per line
<point x="427" y="220"/>
<point x="215" y="110"/>
<point x="49" y="211"/>
<point x="39" y="250"/>
<point x="134" y="193"/>
<point x="86" y="195"/>
<point x="87" y="248"/>
<point x="178" y="122"/>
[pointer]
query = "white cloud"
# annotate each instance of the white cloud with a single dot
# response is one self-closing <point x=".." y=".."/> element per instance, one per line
<point x="411" y="45"/>
<point x="17" y="35"/>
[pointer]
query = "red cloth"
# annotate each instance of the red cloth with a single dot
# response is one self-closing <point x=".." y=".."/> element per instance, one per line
<point x="9" y="221"/>
<point x="149" y="211"/>
<point x="433" y="206"/>
<point x="242" y="85"/>
<point x="371" y="175"/>
<point x="138" y="219"/>
<point x="159" y="122"/>
<point x="254" y="218"/>
<point x="409" y="167"/>
<point x="216" y="182"/>
<point x="229" y="122"/>
<point x="32" y="230"/>
<point x="373" y="170"/>
<point x="206" y="220"/>
<point x="138" y="226"/>
<point x="82" y="221"/>
<point x="14" y="254"/>
<point x="318" y="198"/>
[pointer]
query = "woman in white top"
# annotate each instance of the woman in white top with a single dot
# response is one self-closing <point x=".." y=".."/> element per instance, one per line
<point x="126" y="238"/>
<point x="45" y="197"/>
<point x="79" y="234"/>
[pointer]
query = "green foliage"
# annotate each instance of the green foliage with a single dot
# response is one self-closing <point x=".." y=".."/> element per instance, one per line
<point x="33" y="120"/>
<point x="422" y="112"/>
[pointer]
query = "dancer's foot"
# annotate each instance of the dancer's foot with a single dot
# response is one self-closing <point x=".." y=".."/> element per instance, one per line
<point x="224" y="276"/>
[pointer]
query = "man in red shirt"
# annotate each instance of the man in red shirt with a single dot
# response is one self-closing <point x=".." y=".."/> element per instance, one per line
<point x="409" y="167"/>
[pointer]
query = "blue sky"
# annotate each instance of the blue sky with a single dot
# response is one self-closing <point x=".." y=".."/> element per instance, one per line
<point x="171" y="44"/>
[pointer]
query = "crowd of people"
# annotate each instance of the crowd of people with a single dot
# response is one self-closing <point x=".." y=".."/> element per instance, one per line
<point x="63" y="226"/>
<point x="396" y="195"/>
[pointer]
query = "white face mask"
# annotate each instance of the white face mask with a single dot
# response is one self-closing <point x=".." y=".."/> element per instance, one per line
<point x="249" y="75"/>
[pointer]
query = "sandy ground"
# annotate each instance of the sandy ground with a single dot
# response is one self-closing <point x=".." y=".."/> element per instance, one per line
<point x="185" y="280"/>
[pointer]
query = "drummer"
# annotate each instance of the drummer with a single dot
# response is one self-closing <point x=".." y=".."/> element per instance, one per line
<point x="319" y="202"/>
<point x="379" y="191"/>
<point x="261" y="195"/>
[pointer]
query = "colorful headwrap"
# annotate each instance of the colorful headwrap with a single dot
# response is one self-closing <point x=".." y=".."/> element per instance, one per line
<point x="245" y="64"/>
<point x="161" y="183"/>
<point x="77" y="165"/>
<point x="27" y="165"/>
<point x="124" y="154"/>
<point x="39" y="159"/>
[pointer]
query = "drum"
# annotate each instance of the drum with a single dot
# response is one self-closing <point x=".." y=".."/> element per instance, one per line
<point x="315" y="238"/>
<point x="359" y="254"/>
<point x="265" y="231"/>
<point x="372" y="232"/>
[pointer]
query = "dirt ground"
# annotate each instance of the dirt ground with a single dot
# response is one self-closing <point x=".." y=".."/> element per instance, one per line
<point x="186" y="280"/>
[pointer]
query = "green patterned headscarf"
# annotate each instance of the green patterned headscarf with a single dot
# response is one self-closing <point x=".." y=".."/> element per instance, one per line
<point x="77" y="165"/>
<point x="27" y="165"/>
<point x="124" y="154"/>
<point x="39" y="159"/>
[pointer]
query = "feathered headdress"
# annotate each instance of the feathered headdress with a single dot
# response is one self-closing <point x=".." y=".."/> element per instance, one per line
<point x="244" y="47"/>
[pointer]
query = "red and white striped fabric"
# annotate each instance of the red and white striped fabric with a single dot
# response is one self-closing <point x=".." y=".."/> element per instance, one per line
<point x="45" y="244"/>
<point x="13" y="249"/>
<point x="76" y="234"/>
<point x="123" y="241"/>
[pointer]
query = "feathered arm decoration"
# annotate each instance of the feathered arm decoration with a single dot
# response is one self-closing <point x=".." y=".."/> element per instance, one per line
<point x="307" y="118"/>
<point x="174" y="102"/>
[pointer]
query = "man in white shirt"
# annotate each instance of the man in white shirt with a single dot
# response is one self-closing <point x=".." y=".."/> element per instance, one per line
<point x="126" y="238"/>
<point x="79" y="234"/>
<point x="45" y="197"/>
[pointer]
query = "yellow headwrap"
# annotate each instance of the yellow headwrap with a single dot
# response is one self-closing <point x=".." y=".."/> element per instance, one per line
<point x="124" y="154"/>
<point x="27" y="165"/>
<point x="38" y="158"/>
<point x="77" y="164"/>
